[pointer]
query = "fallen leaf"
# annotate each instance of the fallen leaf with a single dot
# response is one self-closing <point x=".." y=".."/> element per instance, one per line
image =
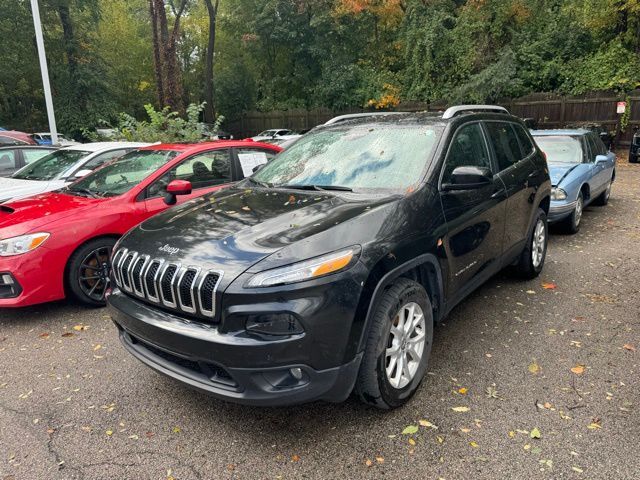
<point x="97" y="347"/>
<point x="473" y="444"/>
<point x="465" y="430"/>
<point x="427" y="423"/>
<point x="368" y="462"/>
<point x="412" y="442"/>
<point x="628" y="346"/>
<point x="109" y="432"/>
<point x="295" y="458"/>
<point x="380" y="459"/>
<point x="578" y="369"/>
<point x="512" y="434"/>
<point x="534" y="368"/>
<point x="68" y="334"/>
<point x="549" y="286"/>
<point x="460" y="409"/>
<point x="531" y="292"/>
<point x="535" y="433"/>
<point x="80" y="328"/>
<point x="410" y="430"/>
<point x="577" y="469"/>
<point x="462" y="391"/>
<point x="44" y="335"/>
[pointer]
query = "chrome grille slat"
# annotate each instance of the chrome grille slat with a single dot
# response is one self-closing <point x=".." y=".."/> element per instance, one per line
<point x="188" y="289"/>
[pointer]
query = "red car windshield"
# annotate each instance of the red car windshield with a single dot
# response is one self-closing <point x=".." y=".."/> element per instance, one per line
<point x="122" y="175"/>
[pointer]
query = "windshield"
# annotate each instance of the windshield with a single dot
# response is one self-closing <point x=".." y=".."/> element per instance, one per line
<point x="362" y="158"/>
<point x="52" y="166"/>
<point x="560" y="149"/>
<point x="122" y="175"/>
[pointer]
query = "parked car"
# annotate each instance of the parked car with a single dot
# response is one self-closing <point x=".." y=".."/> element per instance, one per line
<point x="582" y="172"/>
<point x="60" y="168"/>
<point x="326" y="269"/>
<point x="13" y="137"/>
<point x="283" y="142"/>
<point x="44" y="138"/>
<point x="275" y="133"/>
<point x="58" y="244"/>
<point x="13" y="158"/>
<point x="634" y="148"/>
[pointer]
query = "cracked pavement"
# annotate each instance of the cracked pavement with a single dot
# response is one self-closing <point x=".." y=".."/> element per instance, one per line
<point x="75" y="405"/>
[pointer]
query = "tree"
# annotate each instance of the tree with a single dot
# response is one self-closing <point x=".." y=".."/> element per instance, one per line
<point x="209" y="109"/>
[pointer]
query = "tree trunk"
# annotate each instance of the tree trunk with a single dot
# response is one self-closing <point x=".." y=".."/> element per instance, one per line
<point x="157" y="55"/>
<point x="209" y="109"/>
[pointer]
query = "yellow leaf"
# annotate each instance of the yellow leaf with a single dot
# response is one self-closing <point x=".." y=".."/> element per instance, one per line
<point x="594" y="426"/>
<point x="380" y="459"/>
<point x="534" y="368"/>
<point x="109" y="432"/>
<point x="79" y="328"/>
<point x="578" y="369"/>
<point x="460" y="409"/>
<point x="427" y="423"/>
<point x="462" y="391"/>
<point x="412" y="442"/>
<point x="368" y="462"/>
<point x="97" y="347"/>
<point x="512" y="434"/>
<point x="176" y="430"/>
<point x="473" y="444"/>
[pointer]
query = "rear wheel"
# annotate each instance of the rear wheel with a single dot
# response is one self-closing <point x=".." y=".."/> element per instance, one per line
<point x="88" y="271"/>
<point x="398" y="346"/>
<point x="603" y="198"/>
<point x="535" y="252"/>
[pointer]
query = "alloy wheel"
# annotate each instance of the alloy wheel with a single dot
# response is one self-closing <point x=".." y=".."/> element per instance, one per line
<point x="405" y="345"/>
<point x="93" y="274"/>
<point x="578" y="211"/>
<point x="538" y="243"/>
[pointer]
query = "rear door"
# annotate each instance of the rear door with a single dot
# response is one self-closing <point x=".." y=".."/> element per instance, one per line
<point x="515" y="170"/>
<point x="475" y="217"/>
<point x="9" y="162"/>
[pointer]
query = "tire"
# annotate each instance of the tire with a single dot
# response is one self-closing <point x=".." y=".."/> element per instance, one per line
<point x="603" y="198"/>
<point x="88" y="271"/>
<point x="534" y="254"/>
<point x="571" y="224"/>
<point x="373" y="385"/>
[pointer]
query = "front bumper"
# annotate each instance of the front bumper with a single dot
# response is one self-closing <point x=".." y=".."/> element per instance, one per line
<point x="560" y="210"/>
<point x="233" y="365"/>
<point x="37" y="275"/>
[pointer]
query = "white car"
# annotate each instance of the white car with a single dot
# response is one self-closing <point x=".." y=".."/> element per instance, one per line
<point x="61" y="167"/>
<point x="44" y="138"/>
<point x="274" y="133"/>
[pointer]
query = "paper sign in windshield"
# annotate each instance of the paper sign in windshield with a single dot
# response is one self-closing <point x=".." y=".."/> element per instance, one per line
<point x="249" y="161"/>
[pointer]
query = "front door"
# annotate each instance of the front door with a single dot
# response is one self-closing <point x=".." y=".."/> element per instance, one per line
<point x="475" y="217"/>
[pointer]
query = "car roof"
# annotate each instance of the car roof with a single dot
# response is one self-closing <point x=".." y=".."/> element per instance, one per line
<point x="28" y="147"/>
<point x="201" y="146"/>
<point x="560" y="131"/>
<point x="97" y="146"/>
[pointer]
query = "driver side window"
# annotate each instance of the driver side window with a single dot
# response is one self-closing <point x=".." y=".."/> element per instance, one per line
<point x="202" y="170"/>
<point x="468" y="149"/>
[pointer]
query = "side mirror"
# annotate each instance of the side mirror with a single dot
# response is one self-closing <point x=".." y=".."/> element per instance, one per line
<point x="468" y="178"/>
<point x="601" y="159"/>
<point x="175" y="188"/>
<point x="82" y="173"/>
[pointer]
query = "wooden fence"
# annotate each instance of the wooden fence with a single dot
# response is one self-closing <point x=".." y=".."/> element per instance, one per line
<point x="548" y="110"/>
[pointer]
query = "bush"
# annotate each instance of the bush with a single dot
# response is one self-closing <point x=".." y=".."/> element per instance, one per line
<point x="165" y="126"/>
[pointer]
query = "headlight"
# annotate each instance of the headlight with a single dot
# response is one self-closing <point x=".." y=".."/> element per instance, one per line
<point x="306" y="270"/>
<point x="558" y="194"/>
<point x="22" y="244"/>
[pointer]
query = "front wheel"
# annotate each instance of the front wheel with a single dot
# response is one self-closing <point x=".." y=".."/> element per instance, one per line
<point x="571" y="224"/>
<point x="398" y="346"/>
<point x="535" y="252"/>
<point x="88" y="271"/>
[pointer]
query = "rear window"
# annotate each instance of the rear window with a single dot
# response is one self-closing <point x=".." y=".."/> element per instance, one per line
<point x="560" y="148"/>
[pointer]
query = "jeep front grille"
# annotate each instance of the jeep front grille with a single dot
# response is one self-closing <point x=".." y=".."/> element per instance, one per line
<point x="168" y="284"/>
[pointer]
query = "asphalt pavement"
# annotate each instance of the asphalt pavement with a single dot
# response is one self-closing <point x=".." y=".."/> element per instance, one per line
<point x="537" y="379"/>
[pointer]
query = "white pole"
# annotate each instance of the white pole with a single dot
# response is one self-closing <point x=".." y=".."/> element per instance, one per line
<point x="45" y="72"/>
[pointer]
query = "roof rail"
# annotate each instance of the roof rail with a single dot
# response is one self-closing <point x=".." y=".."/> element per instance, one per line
<point x="350" y="116"/>
<point x="453" y="111"/>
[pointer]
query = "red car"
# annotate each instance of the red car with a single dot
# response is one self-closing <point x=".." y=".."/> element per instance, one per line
<point x="14" y="137"/>
<point x="59" y="243"/>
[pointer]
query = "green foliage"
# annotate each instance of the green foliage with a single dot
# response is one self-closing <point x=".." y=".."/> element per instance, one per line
<point x="165" y="126"/>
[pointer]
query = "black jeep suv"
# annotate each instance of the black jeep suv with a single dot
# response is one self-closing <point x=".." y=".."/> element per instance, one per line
<point x="325" y="271"/>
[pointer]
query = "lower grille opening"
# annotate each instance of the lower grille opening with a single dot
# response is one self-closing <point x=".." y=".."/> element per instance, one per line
<point x="201" y="370"/>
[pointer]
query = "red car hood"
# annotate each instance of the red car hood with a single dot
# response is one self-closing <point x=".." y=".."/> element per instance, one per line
<point x="33" y="213"/>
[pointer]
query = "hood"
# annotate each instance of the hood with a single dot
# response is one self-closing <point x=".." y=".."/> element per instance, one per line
<point x="27" y="215"/>
<point x="559" y="172"/>
<point x="14" y="188"/>
<point x="233" y="229"/>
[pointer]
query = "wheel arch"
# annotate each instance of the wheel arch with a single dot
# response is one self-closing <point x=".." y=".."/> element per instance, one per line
<point x="424" y="269"/>
<point x="65" y="273"/>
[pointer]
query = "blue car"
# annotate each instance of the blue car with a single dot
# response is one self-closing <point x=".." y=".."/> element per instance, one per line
<point x="581" y="170"/>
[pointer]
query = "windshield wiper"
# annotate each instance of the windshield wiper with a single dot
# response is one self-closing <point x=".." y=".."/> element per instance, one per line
<point x="339" y="188"/>
<point x="86" y="191"/>
<point x="258" y="182"/>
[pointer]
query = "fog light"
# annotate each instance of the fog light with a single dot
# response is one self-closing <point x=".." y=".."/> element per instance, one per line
<point x="7" y="279"/>
<point x="274" y="324"/>
<point x="296" y="373"/>
<point x="9" y="286"/>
